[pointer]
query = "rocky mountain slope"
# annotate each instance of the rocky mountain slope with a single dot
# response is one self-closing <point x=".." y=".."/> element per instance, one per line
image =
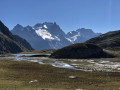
<point x="23" y="42"/>
<point x="8" y="42"/>
<point x="50" y="36"/>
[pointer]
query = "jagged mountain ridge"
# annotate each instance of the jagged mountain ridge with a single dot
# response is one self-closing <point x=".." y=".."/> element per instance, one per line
<point x="49" y="35"/>
<point x="42" y="36"/>
<point x="7" y="41"/>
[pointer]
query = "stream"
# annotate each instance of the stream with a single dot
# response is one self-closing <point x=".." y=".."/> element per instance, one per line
<point x="86" y="65"/>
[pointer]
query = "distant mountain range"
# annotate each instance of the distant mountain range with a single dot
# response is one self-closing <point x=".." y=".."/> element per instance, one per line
<point x="10" y="43"/>
<point x="50" y="36"/>
<point x="81" y="35"/>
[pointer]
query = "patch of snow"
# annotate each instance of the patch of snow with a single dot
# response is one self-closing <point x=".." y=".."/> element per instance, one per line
<point x="74" y="38"/>
<point x="69" y="40"/>
<point x="44" y="34"/>
<point x="45" y="26"/>
<point x="57" y="38"/>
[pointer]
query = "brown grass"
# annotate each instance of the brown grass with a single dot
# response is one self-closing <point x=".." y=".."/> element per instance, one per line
<point x="15" y="75"/>
<point x="39" y="52"/>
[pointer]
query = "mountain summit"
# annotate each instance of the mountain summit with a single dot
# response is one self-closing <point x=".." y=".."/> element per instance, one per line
<point x="50" y="36"/>
<point x="43" y="35"/>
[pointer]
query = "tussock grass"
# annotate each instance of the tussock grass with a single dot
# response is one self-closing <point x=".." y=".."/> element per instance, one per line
<point x="15" y="75"/>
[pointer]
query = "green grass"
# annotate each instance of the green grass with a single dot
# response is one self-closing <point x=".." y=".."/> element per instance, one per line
<point x="15" y="75"/>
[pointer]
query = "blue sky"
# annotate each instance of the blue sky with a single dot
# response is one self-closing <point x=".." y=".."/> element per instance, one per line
<point x="99" y="15"/>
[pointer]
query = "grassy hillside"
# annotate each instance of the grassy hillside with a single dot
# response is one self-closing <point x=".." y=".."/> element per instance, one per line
<point x="80" y="51"/>
<point x="110" y="40"/>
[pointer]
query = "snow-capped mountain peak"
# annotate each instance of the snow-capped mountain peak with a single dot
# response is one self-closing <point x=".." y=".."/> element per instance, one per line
<point x="43" y="36"/>
<point x="50" y="36"/>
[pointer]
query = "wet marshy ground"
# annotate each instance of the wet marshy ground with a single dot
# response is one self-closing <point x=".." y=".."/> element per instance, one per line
<point x="87" y="65"/>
